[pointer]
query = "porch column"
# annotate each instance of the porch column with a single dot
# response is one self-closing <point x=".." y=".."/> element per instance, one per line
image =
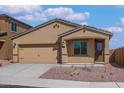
<point x="91" y="49"/>
<point x="106" y="50"/>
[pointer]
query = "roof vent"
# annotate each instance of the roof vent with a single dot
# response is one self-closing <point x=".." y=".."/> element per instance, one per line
<point x="56" y="26"/>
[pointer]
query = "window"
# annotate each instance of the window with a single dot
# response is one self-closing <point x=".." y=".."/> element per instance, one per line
<point x="77" y="47"/>
<point x="99" y="46"/>
<point x="83" y="47"/>
<point x="80" y="47"/>
<point x="13" y="27"/>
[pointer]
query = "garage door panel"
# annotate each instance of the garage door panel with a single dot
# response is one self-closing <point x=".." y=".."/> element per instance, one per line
<point x="37" y="55"/>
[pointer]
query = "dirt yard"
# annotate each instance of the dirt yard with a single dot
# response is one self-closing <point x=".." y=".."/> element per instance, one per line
<point x="109" y="72"/>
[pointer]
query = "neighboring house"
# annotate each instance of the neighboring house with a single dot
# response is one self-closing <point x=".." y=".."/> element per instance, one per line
<point x="9" y="27"/>
<point x="60" y="41"/>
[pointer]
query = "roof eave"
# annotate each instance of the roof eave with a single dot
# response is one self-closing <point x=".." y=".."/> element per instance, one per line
<point x="86" y="27"/>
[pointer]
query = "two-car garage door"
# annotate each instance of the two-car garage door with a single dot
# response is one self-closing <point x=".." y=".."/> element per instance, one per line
<point x="37" y="54"/>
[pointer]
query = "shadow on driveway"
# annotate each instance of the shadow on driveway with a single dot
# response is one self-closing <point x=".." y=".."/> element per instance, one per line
<point x="16" y="86"/>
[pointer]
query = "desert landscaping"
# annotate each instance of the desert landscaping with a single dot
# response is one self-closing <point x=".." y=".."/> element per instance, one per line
<point x="107" y="73"/>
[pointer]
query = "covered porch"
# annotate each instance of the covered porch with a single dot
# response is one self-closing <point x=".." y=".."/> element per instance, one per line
<point x="85" y="46"/>
<point x="89" y="50"/>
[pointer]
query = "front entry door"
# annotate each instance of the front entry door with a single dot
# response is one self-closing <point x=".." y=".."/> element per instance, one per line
<point x="99" y="50"/>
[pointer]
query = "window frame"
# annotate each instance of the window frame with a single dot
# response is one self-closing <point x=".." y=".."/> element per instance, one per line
<point x="13" y="27"/>
<point x="80" y="54"/>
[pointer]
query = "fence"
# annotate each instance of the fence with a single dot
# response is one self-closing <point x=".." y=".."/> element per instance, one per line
<point x="117" y="56"/>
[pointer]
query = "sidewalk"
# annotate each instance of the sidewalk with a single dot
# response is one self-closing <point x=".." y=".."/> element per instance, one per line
<point x="50" y="83"/>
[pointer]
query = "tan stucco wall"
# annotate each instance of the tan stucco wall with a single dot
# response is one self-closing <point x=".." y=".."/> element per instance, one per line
<point x="86" y="34"/>
<point x="44" y="35"/>
<point x="91" y="36"/>
<point x="6" y="50"/>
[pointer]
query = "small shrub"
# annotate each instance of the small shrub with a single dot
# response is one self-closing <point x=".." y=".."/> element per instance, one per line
<point x="110" y="73"/>
<point x="102" y="76"/>
<point x="78" y="73"/>
<point x="71" y="74"/>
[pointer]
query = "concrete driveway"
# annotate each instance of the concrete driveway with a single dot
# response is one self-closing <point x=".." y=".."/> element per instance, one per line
<point x="18" y="70"/>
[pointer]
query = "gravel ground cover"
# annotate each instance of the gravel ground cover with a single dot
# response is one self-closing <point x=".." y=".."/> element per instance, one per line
<point x="107" y="73"/>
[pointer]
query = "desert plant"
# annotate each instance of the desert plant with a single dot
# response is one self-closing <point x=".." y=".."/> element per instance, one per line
<point x="71" y="74"/>
<point x="102" y="76"/>
<point x="110" y="73"/>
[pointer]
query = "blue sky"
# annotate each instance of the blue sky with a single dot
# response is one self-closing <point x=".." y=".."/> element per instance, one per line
<point x="106" y="17"/>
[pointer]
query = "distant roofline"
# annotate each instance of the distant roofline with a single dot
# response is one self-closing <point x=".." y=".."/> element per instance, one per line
<point x="5" y="15"/>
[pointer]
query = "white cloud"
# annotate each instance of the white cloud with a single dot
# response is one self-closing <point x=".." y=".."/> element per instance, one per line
<point x="24" y="12"/>
<point x="122" y="21"/>
<point x="115" y="29"/>
<point x="66" y="13"/>
<point x="35" y="13"/>
<point x="78" y="16"/>
<point x="36" y="16"/>
<point x="84" y="23"/>
<point x="13" y="9"/>
<point x="58" y="12"/>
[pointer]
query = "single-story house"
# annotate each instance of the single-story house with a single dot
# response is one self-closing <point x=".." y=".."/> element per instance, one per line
<point x="61" y="41"/>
